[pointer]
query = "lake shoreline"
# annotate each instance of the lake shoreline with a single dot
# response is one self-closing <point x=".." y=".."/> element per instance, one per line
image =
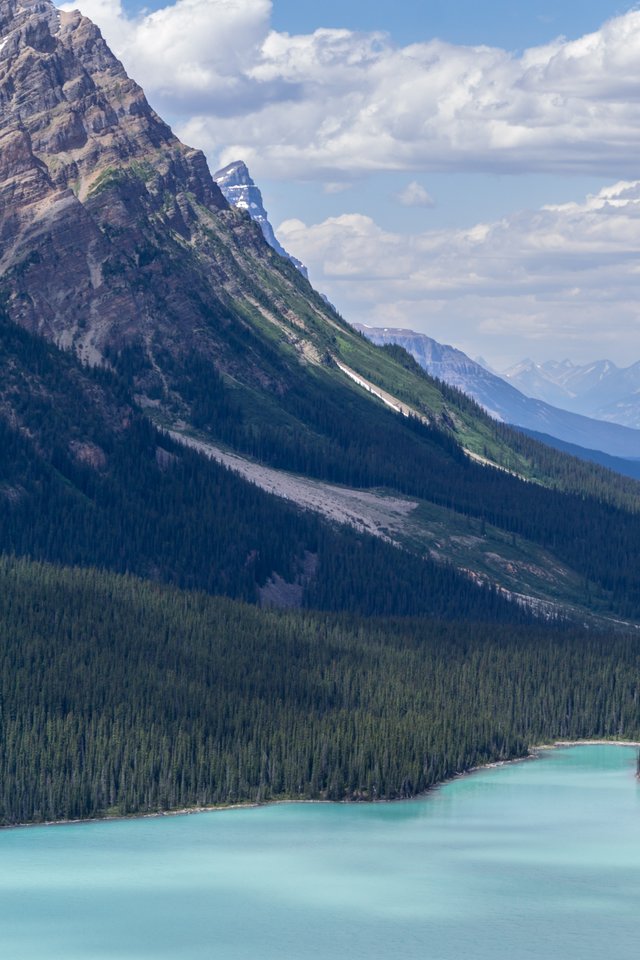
<point x="256" y="804"/>
<point x="534" y="754"/>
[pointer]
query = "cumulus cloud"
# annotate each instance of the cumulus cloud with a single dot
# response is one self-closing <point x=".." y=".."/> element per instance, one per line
<point x="566" y="274"/>
<point x="336" y="103"/>
<point x="192" y="57"/>
<point x="415" y="195"/>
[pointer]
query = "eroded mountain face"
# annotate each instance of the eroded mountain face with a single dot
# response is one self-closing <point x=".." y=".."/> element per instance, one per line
<point x="113" y="235"/>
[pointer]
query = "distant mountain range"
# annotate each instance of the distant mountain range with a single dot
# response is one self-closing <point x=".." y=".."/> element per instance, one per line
<point x="510" y="405"/>
<point x="600" y="389"/>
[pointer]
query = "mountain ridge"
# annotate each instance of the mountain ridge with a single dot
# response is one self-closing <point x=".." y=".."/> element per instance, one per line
<point x="601" y="389"/>
<point x="503" y="401"/>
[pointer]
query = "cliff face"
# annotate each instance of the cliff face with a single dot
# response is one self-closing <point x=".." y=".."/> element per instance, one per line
<point x="113" y="234"/>
<point x="83" y="158"/>
<point x="72" y="103"/>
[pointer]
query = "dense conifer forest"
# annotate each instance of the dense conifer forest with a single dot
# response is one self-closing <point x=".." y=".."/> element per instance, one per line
<point x="584" y="514"/>
<point x="122" y="695"/>
<point x="135" y="501"/>
<point x="119" y="696"/>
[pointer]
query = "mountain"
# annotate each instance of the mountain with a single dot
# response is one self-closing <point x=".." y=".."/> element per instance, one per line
<point x="600" y="390"/>
<point x="146" y="322"/>
<point x="190" y="435"/>
<point x="241" y="192"/>
<point x="534" y="380"/>
<point x="504" y="402"/>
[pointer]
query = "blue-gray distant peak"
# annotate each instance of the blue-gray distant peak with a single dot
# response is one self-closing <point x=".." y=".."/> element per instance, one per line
<point x="599" y="389"/>
<point x="240" y="191"/>
<point x="506" y="403"/>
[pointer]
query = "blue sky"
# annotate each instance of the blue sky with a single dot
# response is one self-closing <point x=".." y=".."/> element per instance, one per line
<point x="505" y="23"/>
<point x="512" y="24"/>
<point x="470" y="172"/>
<point x="508" y="24"/>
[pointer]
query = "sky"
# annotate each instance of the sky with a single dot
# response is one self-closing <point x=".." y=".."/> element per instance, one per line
<point x="464" y="170"/>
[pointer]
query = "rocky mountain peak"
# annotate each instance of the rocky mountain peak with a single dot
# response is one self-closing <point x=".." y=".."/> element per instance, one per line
<point x="83" y="158"/>
<point x="235" y="175"/>
<point x="68" y="107"/>
<point x="240" y="191"/>
<point x="115" y="241"/>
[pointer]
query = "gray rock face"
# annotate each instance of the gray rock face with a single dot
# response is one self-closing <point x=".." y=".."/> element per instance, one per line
<point x="502" y="401"/>
<point x="115" y="241"/>
<point x="69" y="105"/>
<point x="241" y="191"/>
<point x="72" y="123"/>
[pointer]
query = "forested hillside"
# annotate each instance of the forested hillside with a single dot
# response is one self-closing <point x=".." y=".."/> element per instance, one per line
<point x="118" y="696"/>
<point x="86" y="478"/>
<point x="136" y="308"/>
<point x="588" y="517"/>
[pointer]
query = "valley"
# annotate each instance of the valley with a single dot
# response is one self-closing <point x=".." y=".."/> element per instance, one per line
<point x="519" y="569"/>
<point x="192" y="435"/>
<point x="535" y="409"/>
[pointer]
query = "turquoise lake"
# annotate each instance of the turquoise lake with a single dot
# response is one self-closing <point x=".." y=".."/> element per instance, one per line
<point x="539" y="859"/>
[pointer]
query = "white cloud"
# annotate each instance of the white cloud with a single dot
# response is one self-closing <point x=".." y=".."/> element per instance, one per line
<point x="560" y="279"/>
<point x="336" y="186"/>
<point x="415" y="195"/>
<point x="192" y="56"/>
<point x="336" y="104"/>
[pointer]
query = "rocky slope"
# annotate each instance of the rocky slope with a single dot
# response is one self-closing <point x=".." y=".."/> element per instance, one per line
<point x="81" y="155"/>
<point x="504" y="402"/>
<point x="240" y="190"/>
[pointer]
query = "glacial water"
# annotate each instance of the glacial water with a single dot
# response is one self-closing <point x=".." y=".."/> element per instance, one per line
<point x="538" y="859"/>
